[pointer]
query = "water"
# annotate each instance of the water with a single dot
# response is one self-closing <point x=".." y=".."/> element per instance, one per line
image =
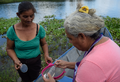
<point x="2" y="40"/>
<point x="62" y="9"/>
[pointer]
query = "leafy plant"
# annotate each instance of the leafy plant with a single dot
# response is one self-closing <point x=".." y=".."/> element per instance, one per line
<point x="6" y="23"/>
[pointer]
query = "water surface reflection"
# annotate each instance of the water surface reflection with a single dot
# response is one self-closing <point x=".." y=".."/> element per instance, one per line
<point x="63" y="8"/>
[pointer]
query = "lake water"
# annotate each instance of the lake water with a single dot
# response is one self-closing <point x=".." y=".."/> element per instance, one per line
<point x="62" y="9"/>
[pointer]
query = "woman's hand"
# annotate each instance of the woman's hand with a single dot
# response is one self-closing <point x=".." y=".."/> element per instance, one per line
<point x="48" y="80"/>
<point x="48" y="59"/>
<point x="17" y="64"/>
<point x="61" y="64"/>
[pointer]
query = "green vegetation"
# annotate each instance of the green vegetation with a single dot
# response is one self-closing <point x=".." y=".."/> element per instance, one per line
<point x="12" y="1"/>
<point x="6" y="23"/>
<point x="7" y="70"/>
<point x="57" y="41"/>
<point x="113" y="25"/>
<point x="9" y="1"/>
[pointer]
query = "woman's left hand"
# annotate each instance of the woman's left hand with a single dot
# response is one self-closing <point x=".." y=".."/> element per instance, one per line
<point x="48" y="80"/>
<point x="48" y="59"/>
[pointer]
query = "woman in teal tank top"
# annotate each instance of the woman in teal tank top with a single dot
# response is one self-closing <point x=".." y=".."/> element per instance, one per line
<point x="23" y="43"/>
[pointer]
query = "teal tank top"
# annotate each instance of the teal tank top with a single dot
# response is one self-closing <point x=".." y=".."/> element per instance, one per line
<point x="26" y="49"/>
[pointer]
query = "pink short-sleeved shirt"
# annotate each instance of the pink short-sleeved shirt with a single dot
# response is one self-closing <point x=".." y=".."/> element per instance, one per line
<point x="102" y="64"/>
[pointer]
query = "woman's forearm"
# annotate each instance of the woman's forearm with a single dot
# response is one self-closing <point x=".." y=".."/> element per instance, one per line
<point x="10" y="50"/>
<point x="45" y="49"/>
<point x="70" y="65"/>
<point x="12" y="54"/>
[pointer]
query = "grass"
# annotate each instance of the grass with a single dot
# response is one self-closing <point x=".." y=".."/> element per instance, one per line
<point x="57" y="41"/>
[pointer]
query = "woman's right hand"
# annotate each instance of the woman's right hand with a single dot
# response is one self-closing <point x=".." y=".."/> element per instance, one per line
<point x="61" y="64"/>
<point x="51" y="79"/>
<point x="17" y="64"/>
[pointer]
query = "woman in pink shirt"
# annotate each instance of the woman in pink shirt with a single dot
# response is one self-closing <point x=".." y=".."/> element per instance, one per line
<point x="101" y="62"/>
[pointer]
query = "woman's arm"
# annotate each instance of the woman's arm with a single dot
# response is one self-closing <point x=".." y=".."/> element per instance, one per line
<point x="65" y="64"/>
<point x="44" y="46"/>
<point x="71" y="65"/>
<point x="12" y="54"/>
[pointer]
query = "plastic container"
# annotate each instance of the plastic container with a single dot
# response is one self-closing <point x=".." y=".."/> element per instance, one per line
<point x="51" y="71"/>
<point x="24" y="68"/>
<point x="56" y="73"/>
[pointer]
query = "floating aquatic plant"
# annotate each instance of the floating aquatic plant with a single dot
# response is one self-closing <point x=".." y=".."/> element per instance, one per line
<point x="113" y="25"/>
